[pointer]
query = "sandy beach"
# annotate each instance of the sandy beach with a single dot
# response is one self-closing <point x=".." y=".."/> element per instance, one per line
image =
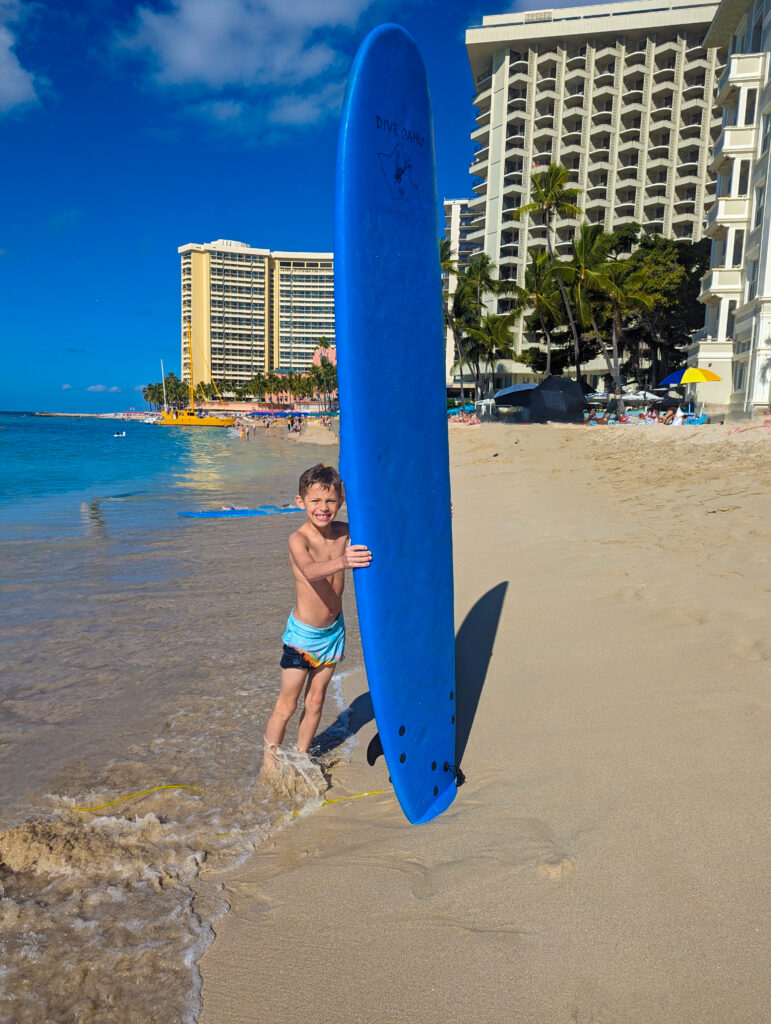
<point x="604" y="861"/>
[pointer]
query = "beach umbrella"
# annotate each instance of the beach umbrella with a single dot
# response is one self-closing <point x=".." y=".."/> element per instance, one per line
<point x="689" y="375"/>
<point x="517" y="394"/>
<point x="555" y="398"/>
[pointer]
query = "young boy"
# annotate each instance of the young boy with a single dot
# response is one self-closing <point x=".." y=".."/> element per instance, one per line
<point x="314" y="639"/>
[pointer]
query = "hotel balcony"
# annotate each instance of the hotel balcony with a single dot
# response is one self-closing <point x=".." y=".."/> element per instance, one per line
<point x="600" y="161"/>
<point x="691" y="131"/>
<point x="692" y="89"/>
<point x="719" y="283"/>
<point x="481" y="133"/>
<point x="479" y="167"/>
<point x="574" y="100"/>
<point x="742" y="69"/>
<point x="727" y="212"/>
<point x="735" y="141"/>
<point x="484" y="91"/>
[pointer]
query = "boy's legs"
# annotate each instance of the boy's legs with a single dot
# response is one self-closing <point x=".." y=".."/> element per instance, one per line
<point x="292" y="682"/>
<point x="315" y="692"/>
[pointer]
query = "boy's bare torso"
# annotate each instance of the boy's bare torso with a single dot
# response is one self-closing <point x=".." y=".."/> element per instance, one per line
<point x="318" y="602"/>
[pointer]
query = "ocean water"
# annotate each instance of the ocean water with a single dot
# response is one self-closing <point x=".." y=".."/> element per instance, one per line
<point x="139" y="650"/>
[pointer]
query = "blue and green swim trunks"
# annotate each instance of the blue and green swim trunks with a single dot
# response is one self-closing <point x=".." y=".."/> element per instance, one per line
<point x="310" y="646"/>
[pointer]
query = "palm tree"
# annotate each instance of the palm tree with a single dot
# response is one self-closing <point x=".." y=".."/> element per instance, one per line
<point x="490" y="342"/>
<point x="449" y="268"/>
<point x="479" y="274"/>
<point x="551" y="198"/>
<point x="541" y="295"/>
<point x="625" y="293"/>
<point x="584" y="273"/>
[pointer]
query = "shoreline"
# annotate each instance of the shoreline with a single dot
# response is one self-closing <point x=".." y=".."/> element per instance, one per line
<point x="598" y="861"/>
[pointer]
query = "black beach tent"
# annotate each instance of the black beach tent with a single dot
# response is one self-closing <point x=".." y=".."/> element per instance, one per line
<point x="555" y="398"/>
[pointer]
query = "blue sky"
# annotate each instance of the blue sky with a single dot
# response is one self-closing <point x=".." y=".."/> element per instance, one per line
<point x="128" y="129"/>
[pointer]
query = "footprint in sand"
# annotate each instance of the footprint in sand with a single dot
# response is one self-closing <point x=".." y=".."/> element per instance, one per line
<point x="686" y="617"/>
<point x="557" y="869"/>
<point x="751" y="649"/>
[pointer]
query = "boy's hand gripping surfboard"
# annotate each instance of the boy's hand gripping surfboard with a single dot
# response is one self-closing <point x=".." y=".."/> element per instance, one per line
<point x="393" y="426"/>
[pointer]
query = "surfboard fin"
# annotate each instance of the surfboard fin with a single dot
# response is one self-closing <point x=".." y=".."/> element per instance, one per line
<point x="374" y="750"/>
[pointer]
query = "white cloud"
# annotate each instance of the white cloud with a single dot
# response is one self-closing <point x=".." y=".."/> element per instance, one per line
<point x="308" y="108"/>
<point x="97" y="387"/>
<point x="274" y="60"/>
<point x="66" y="387"/>
<point x="115" y="390"/>
<point x="17" y="85"/>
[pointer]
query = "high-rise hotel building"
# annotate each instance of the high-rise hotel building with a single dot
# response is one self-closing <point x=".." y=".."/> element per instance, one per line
<point x="252" y="310"/>
<point x="622" y="94"/>
<point x="736" y="339"/>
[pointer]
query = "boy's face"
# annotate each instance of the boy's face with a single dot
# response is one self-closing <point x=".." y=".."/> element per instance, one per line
<point x="321" y="504"/>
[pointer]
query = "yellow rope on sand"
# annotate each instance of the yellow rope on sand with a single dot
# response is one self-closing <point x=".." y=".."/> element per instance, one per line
<point x="336" y="800"/>
<point x="196" y="789"/>
<point x="131" y="796"/>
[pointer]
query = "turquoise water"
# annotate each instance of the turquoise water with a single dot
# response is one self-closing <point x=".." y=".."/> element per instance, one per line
<point x="139" y="649"/>
<point x="58" y="472"/>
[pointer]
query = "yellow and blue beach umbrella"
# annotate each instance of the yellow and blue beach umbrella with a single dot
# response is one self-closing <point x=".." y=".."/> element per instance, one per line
<point x="689" y="375"/>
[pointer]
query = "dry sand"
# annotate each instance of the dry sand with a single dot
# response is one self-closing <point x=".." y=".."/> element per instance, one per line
<point x="605" y="861"/>
<point x="317" y="433"/>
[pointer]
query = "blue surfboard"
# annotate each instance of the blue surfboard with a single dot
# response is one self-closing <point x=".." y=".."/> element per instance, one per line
<point x="393" y="422"/>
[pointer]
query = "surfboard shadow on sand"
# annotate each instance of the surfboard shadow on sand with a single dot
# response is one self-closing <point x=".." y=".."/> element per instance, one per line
<point x="474" y="644"/>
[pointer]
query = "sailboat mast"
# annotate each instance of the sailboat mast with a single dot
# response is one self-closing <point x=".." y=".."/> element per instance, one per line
<point x="163" y="381"/>
<point x="190" y="354"/>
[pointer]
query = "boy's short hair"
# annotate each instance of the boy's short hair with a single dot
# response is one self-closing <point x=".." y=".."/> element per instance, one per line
<point x="326" y="476"/>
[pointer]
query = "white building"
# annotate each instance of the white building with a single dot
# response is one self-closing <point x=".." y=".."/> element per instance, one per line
<point x="736" y="340"/>
<point x="621" y="93"/>
<point x="457" y="227"/>
<point x="252" y="310"/>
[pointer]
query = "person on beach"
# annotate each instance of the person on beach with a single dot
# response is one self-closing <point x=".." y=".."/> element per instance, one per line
<point x="314" y="639"/>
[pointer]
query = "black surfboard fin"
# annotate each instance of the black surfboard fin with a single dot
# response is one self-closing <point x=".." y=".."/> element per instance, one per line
<point x="374" y="750"/>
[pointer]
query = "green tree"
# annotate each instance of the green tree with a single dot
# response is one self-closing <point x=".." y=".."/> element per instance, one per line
<point x="488" y="343"/>
<point x="449" y="267"/>
<point x="625" y="293"/>
<point x="541" y="295"/>
<point x="551" y="197"/>
<point x="671" y="278"/>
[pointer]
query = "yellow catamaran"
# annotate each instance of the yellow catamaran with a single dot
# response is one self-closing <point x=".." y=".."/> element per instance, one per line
<point x="189" y="417"/>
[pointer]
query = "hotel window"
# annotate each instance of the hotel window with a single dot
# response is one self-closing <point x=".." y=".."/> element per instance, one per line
<point x="738" y="248"/>
<point x="757" y="34"/>
<point x="730" y="319"/>
<point x="760" y="195"/>
<point x="752" y="279"/>
<point x="739" y="375"/>
<point x="749" y="106"/>
<point x="742" y="188"/>
<point x="766" y="133"/>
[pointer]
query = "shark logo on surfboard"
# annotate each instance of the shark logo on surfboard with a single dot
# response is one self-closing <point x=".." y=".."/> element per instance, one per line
<point x="396" y="168"/>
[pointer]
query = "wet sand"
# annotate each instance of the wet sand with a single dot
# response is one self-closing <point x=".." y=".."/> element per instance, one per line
<point x="604" y="861"/>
